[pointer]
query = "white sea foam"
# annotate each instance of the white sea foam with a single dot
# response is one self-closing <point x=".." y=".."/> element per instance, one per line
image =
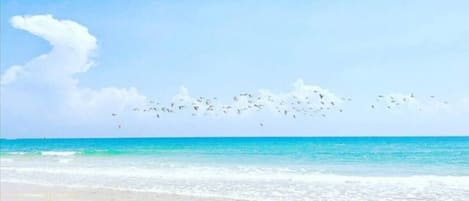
<point x="16" y="153"/>
<point x="65" y="160"/>
<point x="58" y="153"/>
<point x="248" y="174"/>
<point x="249" y="183"/>
<point x="6" y="160"/>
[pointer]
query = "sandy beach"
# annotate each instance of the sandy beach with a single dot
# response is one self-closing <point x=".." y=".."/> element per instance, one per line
<point x="30" y="192"/>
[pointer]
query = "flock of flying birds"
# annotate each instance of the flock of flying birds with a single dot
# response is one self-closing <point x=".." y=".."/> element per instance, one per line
<point x="314" y="104"/>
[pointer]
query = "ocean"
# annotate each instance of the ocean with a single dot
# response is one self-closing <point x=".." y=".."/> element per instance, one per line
<point x="250" y="168"/>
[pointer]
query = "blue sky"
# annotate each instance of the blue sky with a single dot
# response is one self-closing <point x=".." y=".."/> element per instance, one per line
<point x="148" y="49"/>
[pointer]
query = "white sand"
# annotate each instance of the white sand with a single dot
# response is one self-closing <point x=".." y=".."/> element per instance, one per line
<point x="29" y="192"/>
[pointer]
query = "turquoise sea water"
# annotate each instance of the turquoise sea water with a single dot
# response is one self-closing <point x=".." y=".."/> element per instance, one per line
<point x="249" y="168"/>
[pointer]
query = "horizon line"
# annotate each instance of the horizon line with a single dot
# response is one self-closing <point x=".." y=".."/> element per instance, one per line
<point x="282" y="136"/>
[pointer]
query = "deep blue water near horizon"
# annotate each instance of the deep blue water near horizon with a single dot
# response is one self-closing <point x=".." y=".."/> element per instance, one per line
<point x="249" y="168"/>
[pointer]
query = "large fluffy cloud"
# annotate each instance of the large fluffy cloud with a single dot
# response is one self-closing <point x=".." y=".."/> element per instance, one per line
<point x="48" y="83"/>
<point x="72" y="50"/>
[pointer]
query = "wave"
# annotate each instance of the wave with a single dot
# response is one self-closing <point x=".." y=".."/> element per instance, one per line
<point x="226" y="174"/>
<point x="58" y="153"/>
<point x="16" y="153"/>
<point x="40" y="153"/>
<point x="68" y="153"/>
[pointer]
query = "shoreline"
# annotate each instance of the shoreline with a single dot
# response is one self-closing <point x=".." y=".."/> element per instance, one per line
<point x="34" y="192"/>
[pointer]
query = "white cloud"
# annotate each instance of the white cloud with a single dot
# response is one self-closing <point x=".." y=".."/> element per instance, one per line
<point x="417" y="102"/>
<point x="10" y="75"/>
<point x="71" y="53"/>
<point x="183" y="96"/>
<point x="301" y="99"/>
<point x="309" y="97"/>
<point x="63" y="35"/>
<point x="84" y="101"/>
<point x="53" y="74"/>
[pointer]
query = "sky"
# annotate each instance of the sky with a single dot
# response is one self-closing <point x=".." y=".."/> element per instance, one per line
<point x="66" y="66"/>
